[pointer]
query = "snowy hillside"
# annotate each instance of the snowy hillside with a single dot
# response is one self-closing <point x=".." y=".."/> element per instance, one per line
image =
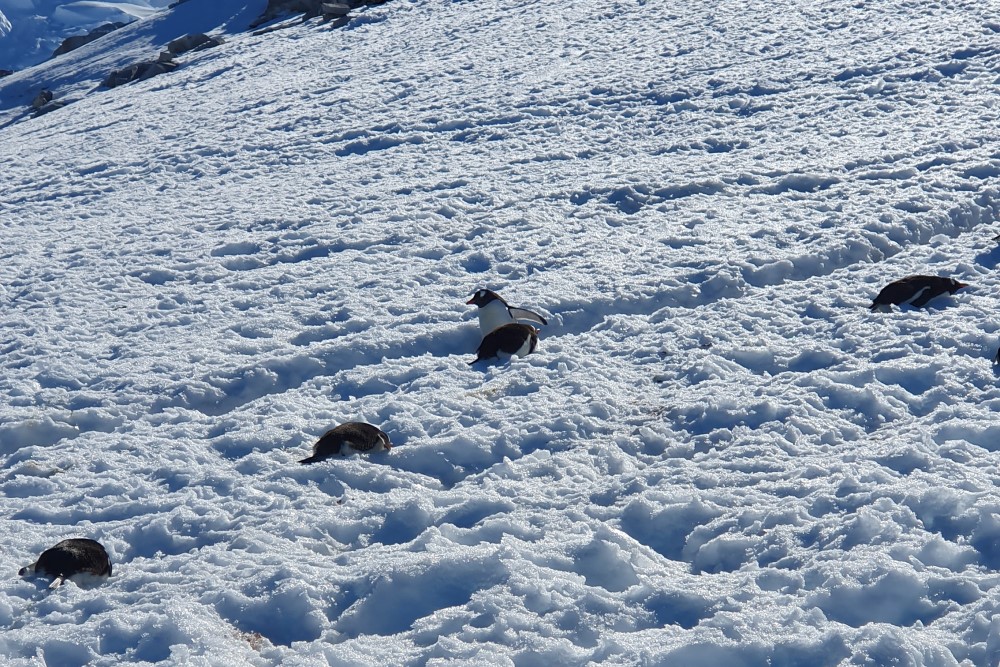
<point x="717" y="455"/>
<point x="34" y="29"/>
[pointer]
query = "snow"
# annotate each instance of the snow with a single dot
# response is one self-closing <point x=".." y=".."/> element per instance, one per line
<point x="716" y="456"/>
<point x="33" y="29"/>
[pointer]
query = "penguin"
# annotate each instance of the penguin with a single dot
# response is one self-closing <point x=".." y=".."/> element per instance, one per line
<point x="494" y="312"/>
<point x="341" y="440"/>
<point x="79" y="559"/>
<point x="511" y="340"/>
<point x="915" y="291"/>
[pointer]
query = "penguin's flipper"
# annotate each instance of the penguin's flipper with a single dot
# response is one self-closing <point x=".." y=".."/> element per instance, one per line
<point x="522" y="314"/>
<point x="927" y="295"/>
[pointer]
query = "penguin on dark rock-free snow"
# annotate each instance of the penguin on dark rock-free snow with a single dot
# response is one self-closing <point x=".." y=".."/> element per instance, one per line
<point x="510" y="340"/>
<point x="494" y="312"/>
<point x="80" y="559"/>
<point x="348" y="437"/>
<point x="915" y="291"/>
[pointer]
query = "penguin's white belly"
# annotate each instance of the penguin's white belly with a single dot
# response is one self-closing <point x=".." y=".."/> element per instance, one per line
<point x="915" y="296"/>
<point x="525" y="348"/>
<point x="492" y="316"/>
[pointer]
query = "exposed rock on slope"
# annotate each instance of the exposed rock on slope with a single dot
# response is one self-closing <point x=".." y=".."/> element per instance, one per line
<point x="140" y="71"/>
<point x="76" y="41"/>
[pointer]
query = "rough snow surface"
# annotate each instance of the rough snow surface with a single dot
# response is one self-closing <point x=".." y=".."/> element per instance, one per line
<point x="716" y="456"/>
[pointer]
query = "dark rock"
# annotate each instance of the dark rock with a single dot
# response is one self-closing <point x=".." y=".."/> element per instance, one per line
<point x="159" y="67"/>
<point x="333" y="9"/>
<point x="5" y="72"/>
<point x="121" y="76"/>
<point x="141" y="71"/>
<point x="193" y="42"/>
<point x="41" y="99"/>
<point x="281" y="8"/>
<point x="76" y="41"/>
<point x="51" y="106"/>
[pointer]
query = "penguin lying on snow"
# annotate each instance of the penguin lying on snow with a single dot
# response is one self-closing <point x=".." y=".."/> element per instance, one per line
<point x="915" y="291"/>
<point x="511" y="340"/>
<point x="79" y="559"/>
<point x="356" y="436"/>
<point x="494" y="312"/>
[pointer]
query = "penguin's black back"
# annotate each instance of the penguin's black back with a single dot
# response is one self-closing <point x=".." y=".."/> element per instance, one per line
<point x="903" y="290"/>
<point x="507" y="339"/>
<point x="74" y="556"/>
<point x="358" y="435"/>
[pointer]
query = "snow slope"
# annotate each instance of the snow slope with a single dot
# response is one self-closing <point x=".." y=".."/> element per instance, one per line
<point x="717" y="456"/>
<point x="36" y="28"/>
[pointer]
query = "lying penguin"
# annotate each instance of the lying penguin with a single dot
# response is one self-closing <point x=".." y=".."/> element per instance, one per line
<point x="510" y="340"/>
<point x="79" y="559"/>
<point x="494" y="312"/>
<point x="915" y="291"/>
<point x="348" y="437"/>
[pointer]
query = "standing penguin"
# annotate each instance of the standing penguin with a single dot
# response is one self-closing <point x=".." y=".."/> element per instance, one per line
<point x="77" y="559"/>
<point x="494" y="312"/>
<point x="511" y="340"/>
<point x="915" y="291"/>
<point x="356" y="436"/>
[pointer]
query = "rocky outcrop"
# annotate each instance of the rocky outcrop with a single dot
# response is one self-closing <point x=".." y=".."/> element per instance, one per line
<point x="334" y="9"/>
<point x="41" y="99"/>
<point x="50" y="106"/>
<point x="193" y="42"/>
<point x="165" y="63"/>
<point x="44" y="102"/>
<point x="279" y="8"/>
<point x="141" y="71"/>
<point x="76" y="41"/>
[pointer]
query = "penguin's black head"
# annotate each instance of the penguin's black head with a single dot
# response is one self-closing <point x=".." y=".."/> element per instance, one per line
<point x="483" y="297"/>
